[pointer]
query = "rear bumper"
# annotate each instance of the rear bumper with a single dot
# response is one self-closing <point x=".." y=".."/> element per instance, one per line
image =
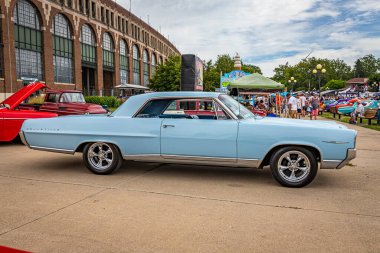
<point x="338" y="164"/>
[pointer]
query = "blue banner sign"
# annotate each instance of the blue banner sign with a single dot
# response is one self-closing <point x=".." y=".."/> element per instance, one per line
<point x="227" y="78"/>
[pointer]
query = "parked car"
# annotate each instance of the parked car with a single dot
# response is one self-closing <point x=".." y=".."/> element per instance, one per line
<point x="347" y="110"/>
<point x="148" y="128"/>
<point x="328" y="103"/>
<point x="12" y="117"/>
<point x="342" y="103"/>
<point x="66" y="102"/>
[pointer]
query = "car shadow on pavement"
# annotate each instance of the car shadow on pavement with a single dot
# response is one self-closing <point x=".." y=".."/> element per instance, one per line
<point x="199" y="173"/>
<point x="237" y="177"/>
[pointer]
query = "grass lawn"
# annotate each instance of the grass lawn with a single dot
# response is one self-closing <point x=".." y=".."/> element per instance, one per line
<point x="346" y="119"/>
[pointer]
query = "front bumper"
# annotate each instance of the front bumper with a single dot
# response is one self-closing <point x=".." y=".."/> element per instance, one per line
<point x="351" y="154"/>
<point x="338" y="164"/>
<point x="23" y="140"/>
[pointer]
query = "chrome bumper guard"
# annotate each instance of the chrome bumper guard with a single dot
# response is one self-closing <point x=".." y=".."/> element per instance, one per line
<point x="351" y="154"/>
<point x="23" y="140"/>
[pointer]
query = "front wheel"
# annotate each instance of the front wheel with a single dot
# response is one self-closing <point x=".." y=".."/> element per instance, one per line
<point x="294" y="166"/>
<point x="102" y="158"/>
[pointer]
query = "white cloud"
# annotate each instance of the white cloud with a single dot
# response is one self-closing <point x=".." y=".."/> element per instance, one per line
<point x="261" y="29"/>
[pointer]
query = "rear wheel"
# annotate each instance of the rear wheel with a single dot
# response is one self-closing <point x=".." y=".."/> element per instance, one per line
<point x="294" y="166"/>
<point x="102" y="158"/>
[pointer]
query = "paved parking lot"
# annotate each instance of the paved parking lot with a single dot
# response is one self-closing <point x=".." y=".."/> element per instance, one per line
<point x="51" y="203"/>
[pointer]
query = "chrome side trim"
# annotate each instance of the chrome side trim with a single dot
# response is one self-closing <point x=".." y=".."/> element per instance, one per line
<point x="23" y="140"/>
<point x="330" y="164"/>
<point x="201" y="159"/>
<point x="144" y="158"/>
<point x="351" y="154"/>
<point x="251" y="163"/>
<point x="15" y="118"/>
<point x="55" y="150"/>
<point x="198" y="160"/>
<point x="336" y="142"/>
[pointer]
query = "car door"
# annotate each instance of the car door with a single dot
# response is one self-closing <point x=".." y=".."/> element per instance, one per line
<point x="199" y="138"/>
<point x="51" y="103"/>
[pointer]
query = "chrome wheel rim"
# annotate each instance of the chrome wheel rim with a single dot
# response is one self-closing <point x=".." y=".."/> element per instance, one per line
<point x="293" y="166"/>
<point x="100" y="156"/>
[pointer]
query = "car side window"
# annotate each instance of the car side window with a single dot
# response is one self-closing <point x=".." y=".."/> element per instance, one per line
<point x="205" y="109"/>
<point x="52" y="97"/>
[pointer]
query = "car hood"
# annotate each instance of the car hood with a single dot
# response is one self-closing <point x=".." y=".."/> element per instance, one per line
<point x="14" y="100"/>
<point x="298" y="122"/>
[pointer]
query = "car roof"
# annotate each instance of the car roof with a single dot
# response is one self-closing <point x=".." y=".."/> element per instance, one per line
<point x="181" y="94"/>
<point x="134" y="103"/>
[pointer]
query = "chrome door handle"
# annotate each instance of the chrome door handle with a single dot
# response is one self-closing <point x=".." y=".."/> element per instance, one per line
<point x="166" y="126"/>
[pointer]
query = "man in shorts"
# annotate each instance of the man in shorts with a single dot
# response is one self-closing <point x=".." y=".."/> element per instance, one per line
<point x="303" y="105"/>
<point x="292" y="104"/>
<point x="299" y="107"/>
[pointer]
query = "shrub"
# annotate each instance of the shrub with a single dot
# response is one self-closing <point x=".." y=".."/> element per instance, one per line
<point x="108" y="101"/>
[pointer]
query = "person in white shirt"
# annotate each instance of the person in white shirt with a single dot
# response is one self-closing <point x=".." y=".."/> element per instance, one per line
<point x="359" y="111"/>
<point x="292" y="103"/>
<point x="299" y="107"/>
<point x="303" y="105"/>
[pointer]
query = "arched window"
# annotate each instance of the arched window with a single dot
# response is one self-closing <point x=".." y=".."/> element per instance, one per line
<point x="28" y="41"/>
<point x="108" y="51"/>
<point x="154" y="64"/>
<point x="88" y="45"/>
<point x="146" y="67"/>
<point x="62" y="50"/>
<point x="136" y="65"/>
<point x="124" y="62"/>
<point x="160" y="60"/>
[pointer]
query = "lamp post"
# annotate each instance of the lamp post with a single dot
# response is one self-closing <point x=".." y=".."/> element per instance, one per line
<point x="292" y="81"/>
<point x="319" y="70"/>
<point x="376" y="86"/>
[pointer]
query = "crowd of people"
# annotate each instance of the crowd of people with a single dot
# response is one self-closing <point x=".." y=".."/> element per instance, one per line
<point x="297" y="106"/>
<point x="300" y="106"/>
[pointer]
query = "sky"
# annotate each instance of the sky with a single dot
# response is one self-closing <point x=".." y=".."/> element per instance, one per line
<point x="266" y="33"/>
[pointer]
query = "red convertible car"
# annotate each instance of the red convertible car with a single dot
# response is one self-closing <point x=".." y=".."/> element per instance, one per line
<point x="12" y="117"/>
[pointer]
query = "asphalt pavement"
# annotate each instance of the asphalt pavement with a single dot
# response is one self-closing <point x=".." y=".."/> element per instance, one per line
<point x="50" y="203"/>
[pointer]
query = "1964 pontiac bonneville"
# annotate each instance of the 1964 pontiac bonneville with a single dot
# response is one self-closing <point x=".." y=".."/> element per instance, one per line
<point x="161" y="127"/>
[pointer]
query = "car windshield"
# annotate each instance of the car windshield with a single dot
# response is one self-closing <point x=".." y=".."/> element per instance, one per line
<point x="240" y="111"/>
<point x="72" y="98"/>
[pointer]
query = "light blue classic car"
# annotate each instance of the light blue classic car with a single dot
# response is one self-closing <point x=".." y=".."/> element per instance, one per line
<point x="164" y="127"/>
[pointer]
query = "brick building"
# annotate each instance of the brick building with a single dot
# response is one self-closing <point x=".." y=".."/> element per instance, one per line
<point x="89" y="45"/>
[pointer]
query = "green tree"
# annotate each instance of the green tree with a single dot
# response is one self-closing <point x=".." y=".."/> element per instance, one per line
<point x="302" y="71"/>
<point x="334" y="85"/>
<point x="374" y="81"/>
<point x="366" y="66"/>
<point x="251" y="69"/>
<point x="224" y="63"/>
<point x="211" y="77"/>
<point x="167" y="76"/>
